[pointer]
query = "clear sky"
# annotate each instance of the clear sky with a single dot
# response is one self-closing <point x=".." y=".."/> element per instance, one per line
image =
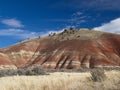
<point x="20" y="19"/>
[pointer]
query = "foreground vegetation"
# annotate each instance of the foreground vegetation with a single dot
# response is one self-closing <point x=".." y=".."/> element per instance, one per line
<point x="23" y="71"/>
<point x="36" y="70"/>
<point x="94" y="80"/>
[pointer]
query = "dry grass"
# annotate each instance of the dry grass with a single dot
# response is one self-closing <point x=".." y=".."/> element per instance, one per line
<point x="61" y="81"/>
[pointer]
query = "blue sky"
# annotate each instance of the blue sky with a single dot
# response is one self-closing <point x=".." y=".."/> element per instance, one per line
<point x="21" y="19"/>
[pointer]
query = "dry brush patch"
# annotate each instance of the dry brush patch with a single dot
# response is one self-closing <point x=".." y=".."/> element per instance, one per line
<point x="61" y="81"/>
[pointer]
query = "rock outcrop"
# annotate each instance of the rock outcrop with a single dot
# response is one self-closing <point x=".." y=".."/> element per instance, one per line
<point x="70" y="49"/>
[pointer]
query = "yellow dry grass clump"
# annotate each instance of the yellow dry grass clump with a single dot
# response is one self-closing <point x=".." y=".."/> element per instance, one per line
<point x="61" y="81"/>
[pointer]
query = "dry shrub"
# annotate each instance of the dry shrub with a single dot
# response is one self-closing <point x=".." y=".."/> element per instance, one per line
<point x="98" y="75"/>
<point x="23" y="71"/>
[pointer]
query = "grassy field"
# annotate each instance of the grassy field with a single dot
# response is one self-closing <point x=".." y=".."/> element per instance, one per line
<point x="61" y="81"/>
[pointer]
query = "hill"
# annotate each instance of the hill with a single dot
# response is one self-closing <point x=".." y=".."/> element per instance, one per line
<point x="70" y="49"/>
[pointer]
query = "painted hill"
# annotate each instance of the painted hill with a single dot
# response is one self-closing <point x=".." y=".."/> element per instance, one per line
<point x="70" y="49"/>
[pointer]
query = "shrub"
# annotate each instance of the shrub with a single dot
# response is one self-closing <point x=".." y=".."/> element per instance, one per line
<point x="54" y="34"/>
<point x="29" y="72"/>
<point x="8" y="72"/>
<point x="65" y="30"/>
<point x="11" y="72"/>
<point x="23" y="71"/>
<point x="71" y="28"/>
<point x="39" y="71"/>
<point x="98" y="75"/>
<point x="2" y="73"/>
